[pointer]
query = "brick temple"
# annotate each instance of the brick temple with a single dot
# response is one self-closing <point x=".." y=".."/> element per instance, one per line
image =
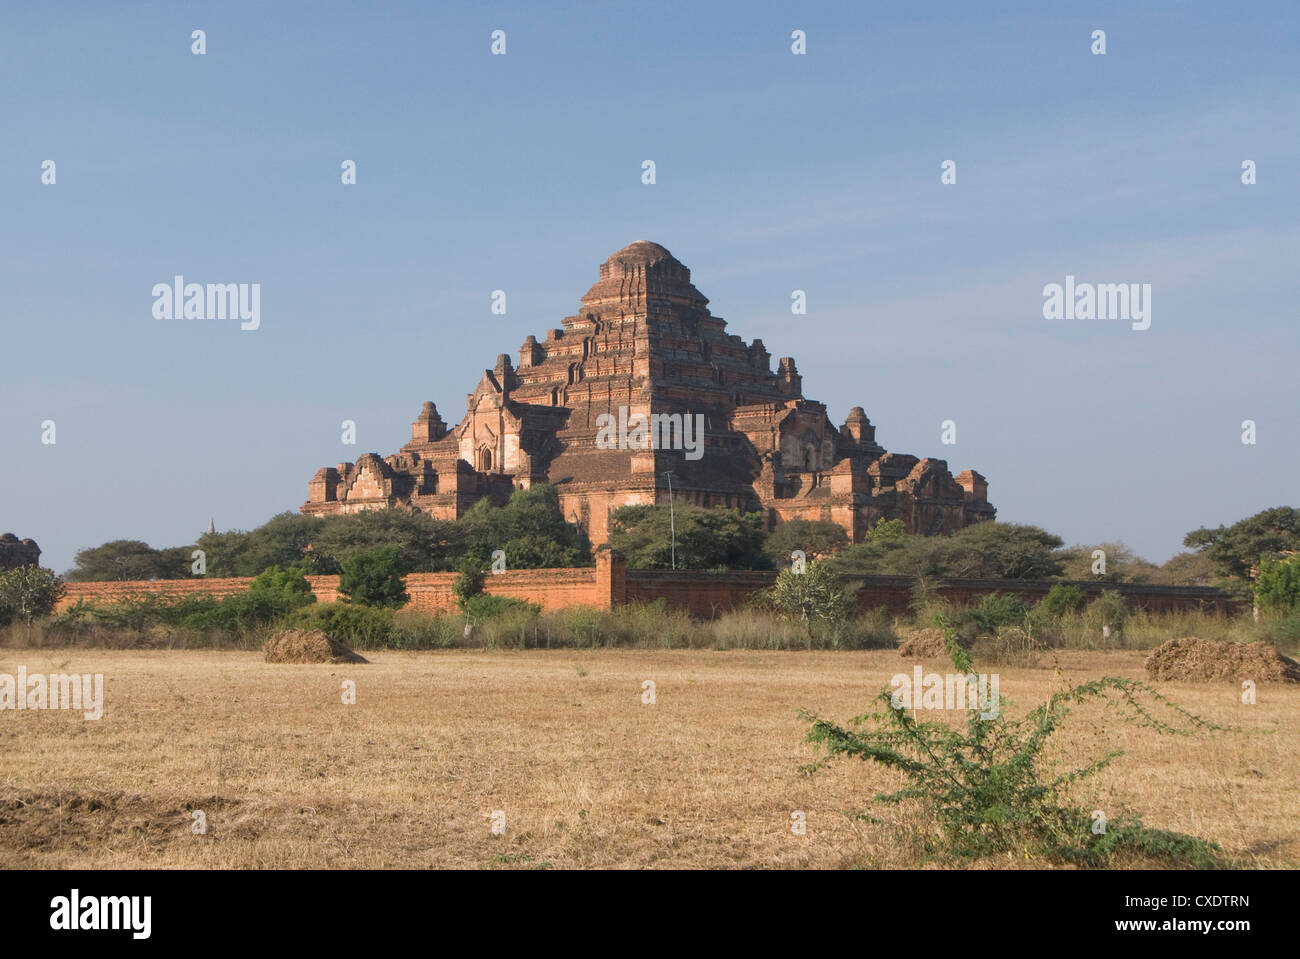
<point x="645" y="341"/>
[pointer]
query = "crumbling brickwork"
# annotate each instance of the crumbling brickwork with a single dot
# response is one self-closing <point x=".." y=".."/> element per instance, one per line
<point x="16" y="552"/>
<point x="644" y="342"/>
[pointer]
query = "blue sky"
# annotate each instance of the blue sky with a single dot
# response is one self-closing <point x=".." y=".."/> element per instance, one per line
<point x="521" y="172"/>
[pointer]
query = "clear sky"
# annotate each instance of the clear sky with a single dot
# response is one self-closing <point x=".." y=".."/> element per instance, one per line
<point x="522" y="172"/>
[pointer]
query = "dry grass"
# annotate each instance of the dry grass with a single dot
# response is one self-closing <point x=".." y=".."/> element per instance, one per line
<point x="289" y="776"/>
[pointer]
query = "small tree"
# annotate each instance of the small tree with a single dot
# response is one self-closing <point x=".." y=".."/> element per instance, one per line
<point x="469" y="583"/>
<point x="998" y="609"/>
<point x="27" y="592"/>
<point x="374" y="578"/>
<point x="1062" y="599"/>
<point x="815" y="597"/>
<point x="816" y="538"/>
<point x="1277" y="587"/>
<point x="1110" y="609"/>
<point x="289" y="582"/>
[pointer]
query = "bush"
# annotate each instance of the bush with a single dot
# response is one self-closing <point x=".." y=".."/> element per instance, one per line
<point x="983" y="790"/>
<point x="996" y="610"/>
<point x="240" y="613"/>
<point x="815" y="598"/>
<point x="1108" y="611"/>
<point x="361" y="627"/>
<point x="1277" y="587"/>
<point x="1062" y="599"/>
<point x="374" y="578"/>
<point x="704" y="538"/>
<point x="289" y="582"/>
<point x="815" y="538"/>
<point x="485" y="606"/>
<point x="27" y="592"/>
<point x="469" y="583"/>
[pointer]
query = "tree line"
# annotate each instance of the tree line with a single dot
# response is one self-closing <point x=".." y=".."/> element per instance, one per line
<point x="531" y="532"/>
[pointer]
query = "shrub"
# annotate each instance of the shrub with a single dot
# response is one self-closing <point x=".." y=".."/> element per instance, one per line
<point x="374" y="578"/>
<point x="290" y="582"/>
<point x="239" y="613"/>
<point x="468" y="584"/>
<point x="815" y="598"/>
<point x="983" y="789"/>
<point x="1062" y="599"/>
<point x="1109" y="610"/>
<point x="996" y="610"/>
<point x="361" y="627"/>
<point x="815" y="538"/>
<point x="27" y="592"/>
<point x="1277" y="587"/>
<point x="485" y="606"/>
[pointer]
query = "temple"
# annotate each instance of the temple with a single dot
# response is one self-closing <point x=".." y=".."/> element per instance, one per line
<point x="645" y="343"/>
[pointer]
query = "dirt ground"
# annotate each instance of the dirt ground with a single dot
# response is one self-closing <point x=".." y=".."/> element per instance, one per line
<point x="585" y="774"/>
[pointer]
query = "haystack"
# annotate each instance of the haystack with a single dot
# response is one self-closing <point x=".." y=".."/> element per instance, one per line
<point x="1210" y="660"/>
<point x="308" y="646"/>
<point x="928" y="644"/>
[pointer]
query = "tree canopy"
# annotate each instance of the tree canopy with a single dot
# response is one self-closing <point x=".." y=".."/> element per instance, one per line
<point x="816" y="538"/>
<point x="988" y="550"/>
<point x="1238" y="548"/>
<point x="705" y="538"/>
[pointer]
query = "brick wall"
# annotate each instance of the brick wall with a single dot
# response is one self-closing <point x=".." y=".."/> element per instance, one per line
<point x="705" y="595"/>
<point x="550" y="588"/>
<point x="109" y="592"/>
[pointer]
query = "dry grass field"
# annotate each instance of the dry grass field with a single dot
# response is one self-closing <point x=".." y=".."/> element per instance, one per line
<point x="587" y="776"/>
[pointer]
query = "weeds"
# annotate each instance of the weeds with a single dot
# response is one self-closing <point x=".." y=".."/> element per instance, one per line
<point x="983" y="788"/>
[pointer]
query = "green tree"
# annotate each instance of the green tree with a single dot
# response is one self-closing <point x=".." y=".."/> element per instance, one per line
<point x="468" y="584"/>
<point x="426" y="544"/>
<point x="176" y="562"/>
<point x="1122" y="564"/>
<point x="1187" y="569"/>
<point x="530" y="529"/>
<point x="117" y="560"/>
<point x="374" y="578"/>
<point x="27" y="592"/>
<point x="1238" y="548"/>
<point x="280" y="541"/>
<point x="998" y="609"/>
<point x="705" y="538"/>
<point x="988" y="550"/>
<point x="995" y="550"/>
<point x="816" y="538"/>
<point x="1277" y="588"/>
<point x="289" y="582"/>
<point x="1062" y="599"/>
<point x="888" y="550"/>
<point x="887" y="531"/>
<point x="817" y="598"/>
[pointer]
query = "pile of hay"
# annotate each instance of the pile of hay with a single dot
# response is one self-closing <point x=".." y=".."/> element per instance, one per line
<point x="1210" y="660"/>
<point x="308" y="646"/>
<point x="927" y="644"/>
